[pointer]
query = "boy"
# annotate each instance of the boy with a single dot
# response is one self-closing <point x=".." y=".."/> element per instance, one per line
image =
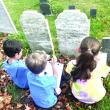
<point x="44" y="79"/>
<point x="14" y="67"/>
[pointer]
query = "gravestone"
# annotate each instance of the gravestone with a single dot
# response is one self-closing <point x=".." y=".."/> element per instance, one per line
<point x="71" y="7"/>
<point x="45" y="7"/>
<point x="42" y="1"/>
<point x="106" y="48"/>
<point x="36" y="29"/>
<point x="72" y="26"/>
<point x="93" y="12"/>
<point x="6" y="24"/>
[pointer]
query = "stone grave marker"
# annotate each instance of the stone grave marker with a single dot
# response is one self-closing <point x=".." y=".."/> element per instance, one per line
<point x="93" y="12"/>
<point x="71" y="7"/>
<point x="42" y="1"/>
<point x="36" y="30"/>
<point x="106" y="48"/>
<point x="6" y="23"/>
<point x="72" y="26"/>
<point x="45" y="7"/>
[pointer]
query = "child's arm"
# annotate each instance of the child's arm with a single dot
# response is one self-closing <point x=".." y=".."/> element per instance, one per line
<point x="101" y="59"/>
<point x="102" y="71"/>
<point x="70" y="65"/>
<point x="53" y="64"/>
<point x="106" y="71"/>
<point x="57" y="72"/>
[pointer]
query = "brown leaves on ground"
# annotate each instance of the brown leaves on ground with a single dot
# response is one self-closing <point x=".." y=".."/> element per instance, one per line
<point x="5" y="98"/>
<point x="1" y="51"/>
<point x="4" y="79"/>
<point x="25" y="102"/>
<point x="5" y="101"/>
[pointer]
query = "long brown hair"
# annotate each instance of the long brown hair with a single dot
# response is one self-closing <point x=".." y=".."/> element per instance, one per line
<point x="85" y="62"/>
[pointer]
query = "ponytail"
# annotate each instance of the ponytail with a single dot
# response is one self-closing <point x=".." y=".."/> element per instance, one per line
<point x="85" y="65"/>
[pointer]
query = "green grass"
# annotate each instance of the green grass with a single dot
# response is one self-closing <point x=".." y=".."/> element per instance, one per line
<point x="15" y="92"/>
<point x="21" y="37"/>
<point x="100" y="27"/>
<point x="16" y="7"/>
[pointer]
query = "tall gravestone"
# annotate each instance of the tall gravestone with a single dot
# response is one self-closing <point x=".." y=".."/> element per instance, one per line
<point x="36" y="29"/>
<point x="106" y="48"/>
<point x="72" y="26"/>
<point x="6" y="24"/>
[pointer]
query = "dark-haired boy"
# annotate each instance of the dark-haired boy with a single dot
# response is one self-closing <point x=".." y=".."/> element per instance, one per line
<point x="15" y="67"/>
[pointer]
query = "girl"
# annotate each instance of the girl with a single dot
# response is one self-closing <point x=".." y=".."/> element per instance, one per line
<point x="87" y="72"/>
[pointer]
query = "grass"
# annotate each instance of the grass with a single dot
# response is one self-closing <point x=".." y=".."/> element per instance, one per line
<point x="15" y="92"/>
<point x="20" y="36"/>
<point x="100" y="27"/>
<point x="16" y="7"/>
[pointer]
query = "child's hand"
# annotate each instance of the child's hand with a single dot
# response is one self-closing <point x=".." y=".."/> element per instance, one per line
<point x="53" y="60"/>
<point x="58" y="90"/>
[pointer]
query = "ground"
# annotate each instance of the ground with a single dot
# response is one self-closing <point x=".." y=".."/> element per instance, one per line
<point x="14" y="98"/>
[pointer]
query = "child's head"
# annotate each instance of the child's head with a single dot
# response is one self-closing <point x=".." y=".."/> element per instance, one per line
<point x="36" y="62"/>
<point x="90" y="45"/>
<point x="12" y="47"/>
<point x="86" y="63"/>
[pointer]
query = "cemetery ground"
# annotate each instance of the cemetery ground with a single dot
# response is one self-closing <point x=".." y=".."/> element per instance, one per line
<point x="14" y="98"/>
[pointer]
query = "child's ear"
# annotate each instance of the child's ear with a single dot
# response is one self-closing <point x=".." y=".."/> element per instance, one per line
<point x="16" y="55"/>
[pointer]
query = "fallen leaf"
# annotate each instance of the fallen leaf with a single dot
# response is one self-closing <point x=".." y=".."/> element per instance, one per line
<point x="68" y="107"/>
<point x="19" y="105"/>
<point x="27" y="107"/>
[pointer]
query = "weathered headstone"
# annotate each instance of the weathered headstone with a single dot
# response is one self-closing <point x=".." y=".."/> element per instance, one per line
<point x="106" y="47"/>
<point x="35" y="28"/>
<point x="71" y="26"/>
<point x="6" y="24"/>
<point x="42" y="1"/>
<point x="71" y="7"/>
<point x="93" y="12"/>
<point x="45" y="7"/>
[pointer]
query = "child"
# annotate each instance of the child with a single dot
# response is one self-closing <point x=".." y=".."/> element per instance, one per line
<point x="87" y="72"/>
<point x="16" y="68"/>
<point x="43" y="79"/>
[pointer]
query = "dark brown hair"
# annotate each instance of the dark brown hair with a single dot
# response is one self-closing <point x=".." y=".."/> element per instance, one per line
<point x="11" y="47"/>
<point x="85" y="62"/>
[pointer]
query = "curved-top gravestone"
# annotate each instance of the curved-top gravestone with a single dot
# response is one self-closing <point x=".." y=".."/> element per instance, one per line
<point x="36" y="29"/>
<point x="6" y="24"/>
<point x="71" y="26"/>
